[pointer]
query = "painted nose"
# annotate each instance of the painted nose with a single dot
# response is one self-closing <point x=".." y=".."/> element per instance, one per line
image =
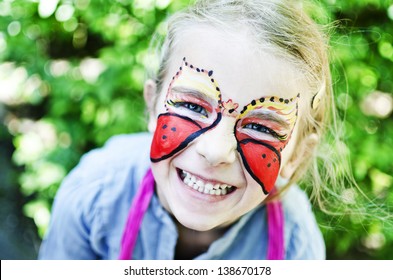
<point x="218" y="145"/>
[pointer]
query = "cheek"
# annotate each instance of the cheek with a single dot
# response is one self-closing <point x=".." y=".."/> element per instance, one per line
<point x="290" y="149"/>
<point x="172" y="134"/>
<point x="162" y="178"/>
<point x="262" y="162"/>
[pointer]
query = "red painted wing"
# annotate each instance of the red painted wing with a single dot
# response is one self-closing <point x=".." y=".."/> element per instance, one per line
<point x="262" y="162"/>
<point x="171" y="135"/>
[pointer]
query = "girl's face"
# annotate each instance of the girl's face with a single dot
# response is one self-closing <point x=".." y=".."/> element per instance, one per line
<point x="224" y="123"/>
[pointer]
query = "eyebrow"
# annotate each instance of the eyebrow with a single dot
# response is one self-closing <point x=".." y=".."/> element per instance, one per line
<point x="271" y="116"/>
<point x="194" y="92"/>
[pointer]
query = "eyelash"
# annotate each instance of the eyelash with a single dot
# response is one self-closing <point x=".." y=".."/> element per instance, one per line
<point x="264" y="129"/>
<point x="190" y="106"/>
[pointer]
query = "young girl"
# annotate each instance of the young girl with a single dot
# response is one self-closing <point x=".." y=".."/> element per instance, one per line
<point x="237" y="109"/>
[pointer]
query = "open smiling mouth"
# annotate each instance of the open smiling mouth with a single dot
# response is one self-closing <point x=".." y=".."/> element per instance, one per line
<point x="203" y="186"/>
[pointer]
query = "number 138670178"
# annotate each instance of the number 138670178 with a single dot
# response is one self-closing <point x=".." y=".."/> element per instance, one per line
<point x="244" y="270"/>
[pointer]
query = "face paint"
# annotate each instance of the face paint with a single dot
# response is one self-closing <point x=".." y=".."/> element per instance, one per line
<point x="194" y="105"/>
<point x="229" y="108"/>
<point x="262" y="131"/>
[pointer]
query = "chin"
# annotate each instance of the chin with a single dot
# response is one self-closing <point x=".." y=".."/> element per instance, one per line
<point x="201" y="221"/>
<point x="196" y="223"/>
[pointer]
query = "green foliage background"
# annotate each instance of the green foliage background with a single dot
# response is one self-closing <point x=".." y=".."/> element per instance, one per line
<point x="71" y="76"/>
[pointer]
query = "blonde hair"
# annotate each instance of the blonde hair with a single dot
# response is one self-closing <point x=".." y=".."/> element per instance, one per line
<point x="283" y="28"/>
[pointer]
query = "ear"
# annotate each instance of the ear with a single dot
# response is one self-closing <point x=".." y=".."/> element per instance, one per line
<point x="150" y="95"/>
<point x="309" y="145"/>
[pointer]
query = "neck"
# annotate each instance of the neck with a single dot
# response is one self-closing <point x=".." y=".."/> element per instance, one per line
<point x="192" y="243"/>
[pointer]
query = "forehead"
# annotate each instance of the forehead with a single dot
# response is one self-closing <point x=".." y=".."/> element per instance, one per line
<point x="242" y="73"/>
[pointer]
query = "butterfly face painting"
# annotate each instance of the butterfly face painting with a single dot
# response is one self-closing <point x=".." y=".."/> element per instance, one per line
<point x="194" y="105"/>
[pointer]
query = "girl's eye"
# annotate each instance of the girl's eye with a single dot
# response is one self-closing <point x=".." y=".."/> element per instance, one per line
<point x="192" y="107"/>
<point x="258" y="127"/>
<point x="264" y="129"/>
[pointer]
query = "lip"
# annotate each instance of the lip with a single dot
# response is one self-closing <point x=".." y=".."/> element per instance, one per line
<point x="202" y="196"/>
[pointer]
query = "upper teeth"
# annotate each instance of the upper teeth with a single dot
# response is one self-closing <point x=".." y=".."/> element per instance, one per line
<point x="204" y="187"/>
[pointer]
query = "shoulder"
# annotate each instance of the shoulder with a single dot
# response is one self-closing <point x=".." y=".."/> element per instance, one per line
<point x="117" y="153"/>
<point x="121" y="159"/>
<point x="93" y="200"/>
<point x="303" y="237"/>
<point x="122" y="153"/>
<point x="111" y="173"/>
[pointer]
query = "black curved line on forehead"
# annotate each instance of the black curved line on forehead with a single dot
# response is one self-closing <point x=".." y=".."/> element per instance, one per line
<point x="270" y="98"/>
<point x="199" y="70"/>
<point x="190" y="138"/>
<point x="262" y="99"/>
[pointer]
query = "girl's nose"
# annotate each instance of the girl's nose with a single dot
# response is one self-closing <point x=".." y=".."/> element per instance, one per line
<point x="218" y="145"/>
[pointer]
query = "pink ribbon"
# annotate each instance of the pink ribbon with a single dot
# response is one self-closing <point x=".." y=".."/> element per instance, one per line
<point x="275" y="218"/>
<point x="135" y="216"/>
